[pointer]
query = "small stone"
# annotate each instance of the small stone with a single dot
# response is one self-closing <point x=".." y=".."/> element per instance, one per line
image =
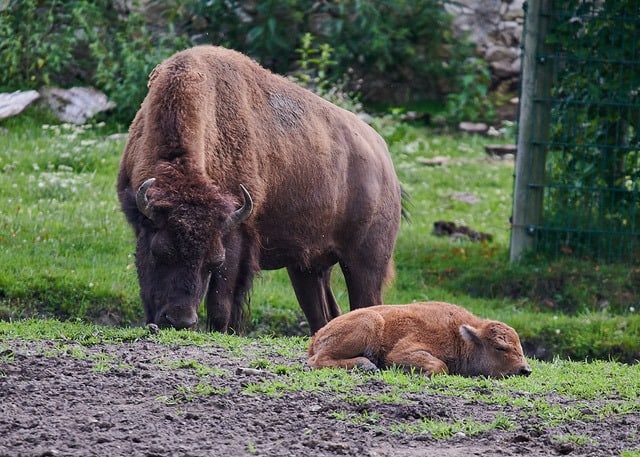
<point x="315" y="408"/>
<point x="473" y="127"/>
<point x="434" y="161"/>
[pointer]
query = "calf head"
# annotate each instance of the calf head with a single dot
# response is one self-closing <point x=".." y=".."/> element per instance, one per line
<point x="180" y="229"/>
<point x="495" y="350"/>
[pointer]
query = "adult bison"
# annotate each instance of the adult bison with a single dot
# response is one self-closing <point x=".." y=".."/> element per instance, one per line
<point x="230" y="169"/>
<point x="433" y="337"/>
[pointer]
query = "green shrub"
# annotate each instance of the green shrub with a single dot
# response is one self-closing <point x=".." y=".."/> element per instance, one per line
<point x="80" y="42"/>
<point x="392" y="51"/>
<point x="401" y="50"/>
<point x="471" y="101"/>
<point x="41" y="43"/>
<point x="267" y="30"/>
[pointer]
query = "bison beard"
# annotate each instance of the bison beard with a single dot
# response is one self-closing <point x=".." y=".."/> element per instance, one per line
<point x="230" y="169"/>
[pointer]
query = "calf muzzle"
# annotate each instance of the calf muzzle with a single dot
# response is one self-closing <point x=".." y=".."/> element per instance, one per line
<point x="525" y="370"/>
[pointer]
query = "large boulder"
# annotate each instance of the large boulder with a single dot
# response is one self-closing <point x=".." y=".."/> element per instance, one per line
<point x="76" y="105"/>
<point x="12" y="103"/>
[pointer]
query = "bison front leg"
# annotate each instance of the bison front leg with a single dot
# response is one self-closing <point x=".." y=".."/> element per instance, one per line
<point x="228" y="288"/>
<point x="219" y="300"/>
<point x="313" y="290"/>
<point x="407" y="354"/>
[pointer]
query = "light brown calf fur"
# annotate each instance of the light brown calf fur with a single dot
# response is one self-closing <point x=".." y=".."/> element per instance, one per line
<point x="433" y="337"/>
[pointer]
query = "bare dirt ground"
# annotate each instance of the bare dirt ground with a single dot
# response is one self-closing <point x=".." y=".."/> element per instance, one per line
<point x="126" y="400"/>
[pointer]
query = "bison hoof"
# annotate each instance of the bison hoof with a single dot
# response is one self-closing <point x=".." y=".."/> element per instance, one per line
<point x="365" y="365"/>
<point x="153" y="329"/>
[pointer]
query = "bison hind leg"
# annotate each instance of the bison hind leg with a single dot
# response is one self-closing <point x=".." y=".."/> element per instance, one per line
<point x="350" y="341"/>
<point x="323" y="361"/>
<point x="366" y="365"/>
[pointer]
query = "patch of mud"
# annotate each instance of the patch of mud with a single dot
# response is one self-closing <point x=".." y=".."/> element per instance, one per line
<point x="145" y="399"/>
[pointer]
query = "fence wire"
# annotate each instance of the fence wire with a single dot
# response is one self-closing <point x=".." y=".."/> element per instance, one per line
<point x="592" y="166"/>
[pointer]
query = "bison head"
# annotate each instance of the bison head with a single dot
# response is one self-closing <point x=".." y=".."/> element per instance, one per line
<point x="181" y="228"/>
<point x="496" y="350"/>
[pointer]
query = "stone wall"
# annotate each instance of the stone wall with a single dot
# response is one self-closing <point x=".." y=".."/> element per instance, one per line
<point x="496" y="28"/>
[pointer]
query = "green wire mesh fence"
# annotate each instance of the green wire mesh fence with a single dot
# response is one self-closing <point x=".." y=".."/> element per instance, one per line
<point x="587" y="126"/>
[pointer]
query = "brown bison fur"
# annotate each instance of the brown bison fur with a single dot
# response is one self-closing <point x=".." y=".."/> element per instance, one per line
<point x="432" y="337"/>
<point x="320" y="190"/>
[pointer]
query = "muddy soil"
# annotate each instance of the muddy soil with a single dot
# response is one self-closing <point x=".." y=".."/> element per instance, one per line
<point x="138" y="399"/>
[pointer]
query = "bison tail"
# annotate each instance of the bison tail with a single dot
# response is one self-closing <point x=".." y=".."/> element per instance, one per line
<point x="405" y="204"/>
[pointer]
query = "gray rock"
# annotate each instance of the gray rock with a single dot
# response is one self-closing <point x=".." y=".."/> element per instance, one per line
<point x="12" y="103"/>
<point x="76" y="105"/>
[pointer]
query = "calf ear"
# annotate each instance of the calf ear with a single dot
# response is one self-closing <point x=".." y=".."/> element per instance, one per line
<point x="470" y="334"/>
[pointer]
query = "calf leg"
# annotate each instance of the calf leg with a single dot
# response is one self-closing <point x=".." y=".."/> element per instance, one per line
<point x="313" y="290"/>
<point x="408" y="354"/>
<point x="351" y="342"/>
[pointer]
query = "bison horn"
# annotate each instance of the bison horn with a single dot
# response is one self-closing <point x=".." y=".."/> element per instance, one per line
<point x="241" y="214"/>
<point x="141" y="198"/>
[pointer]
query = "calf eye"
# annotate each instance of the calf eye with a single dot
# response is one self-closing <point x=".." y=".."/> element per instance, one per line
<point x="501" y="348"/>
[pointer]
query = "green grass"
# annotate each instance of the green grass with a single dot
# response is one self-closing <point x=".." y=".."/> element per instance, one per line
<point x="67" y="252"/>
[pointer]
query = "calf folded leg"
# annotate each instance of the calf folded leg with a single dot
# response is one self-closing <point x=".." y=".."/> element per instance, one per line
<point x="351" y="341"/>
<point x="408" y="354"/>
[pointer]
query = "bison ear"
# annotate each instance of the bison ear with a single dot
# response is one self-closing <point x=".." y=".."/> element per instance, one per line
<point x="470" y="334"/>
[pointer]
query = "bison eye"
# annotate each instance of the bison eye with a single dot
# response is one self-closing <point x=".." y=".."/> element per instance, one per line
<point x="160" y="247"/>
<point x="501" y="348"/>
<point x="217" y="261"/>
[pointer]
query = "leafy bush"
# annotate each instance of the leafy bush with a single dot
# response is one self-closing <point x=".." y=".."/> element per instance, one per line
<point x="393" y="50"/>
<point x="268" y="30"/>
<point x="80" y="42"/>
<point x="471" y="101"/>
<point x="312" y="68"/>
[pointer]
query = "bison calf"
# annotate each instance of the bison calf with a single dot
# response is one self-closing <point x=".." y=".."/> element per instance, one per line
<point x="433" y="337"/>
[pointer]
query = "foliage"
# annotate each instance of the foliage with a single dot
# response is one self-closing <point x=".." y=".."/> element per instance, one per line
<point x="390" y="51"/>
<point x="80" y="42"/>
<point x="407" y="45"/>
<point x="312" y="71"/>
<point x="471" y="101"/>
<point x="267" y="30"/>
<point x="593" y="168"/>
